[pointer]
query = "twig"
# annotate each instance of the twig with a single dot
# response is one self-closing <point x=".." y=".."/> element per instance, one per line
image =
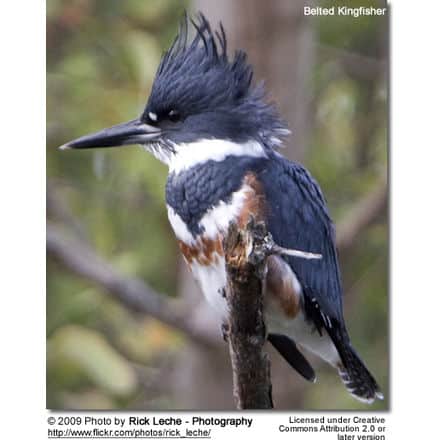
<point x="82" y="260"/>
<point x="295" y="253"/>
<point x="365" y="212"/>
<point x="245" y="252"/>
<point x="356" y="64"/>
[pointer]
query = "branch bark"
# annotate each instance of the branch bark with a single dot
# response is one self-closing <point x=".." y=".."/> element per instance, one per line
<point x="245" y="264"/>
<point x="364" y="213"/>
<point x="82" y="260"/>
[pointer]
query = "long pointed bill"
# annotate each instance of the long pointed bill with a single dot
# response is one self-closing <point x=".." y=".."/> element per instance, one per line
<point x="128" y="133"/>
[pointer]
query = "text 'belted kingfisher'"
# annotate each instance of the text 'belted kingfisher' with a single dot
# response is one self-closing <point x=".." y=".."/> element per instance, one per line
<point x="218" y="136"/>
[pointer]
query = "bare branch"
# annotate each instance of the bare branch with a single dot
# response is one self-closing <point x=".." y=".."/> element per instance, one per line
<point x="365" y="212"/>
<point x="82" y="260"/>
<point x="355" y="64"/>
<point x="246" y="252"/>
<point x="59" y="210"/>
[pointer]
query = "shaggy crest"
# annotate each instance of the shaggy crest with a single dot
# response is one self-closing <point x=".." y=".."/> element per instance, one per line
<point x="196" y="76"/>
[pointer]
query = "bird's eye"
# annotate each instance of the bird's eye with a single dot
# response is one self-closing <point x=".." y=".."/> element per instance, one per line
<point x="174" y="115"/>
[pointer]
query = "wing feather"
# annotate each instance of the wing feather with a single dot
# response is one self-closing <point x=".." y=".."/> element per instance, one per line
<point x="298" y="218"/>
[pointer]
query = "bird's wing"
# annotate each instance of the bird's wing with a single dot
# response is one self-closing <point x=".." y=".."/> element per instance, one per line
<point x="298" y="218"/>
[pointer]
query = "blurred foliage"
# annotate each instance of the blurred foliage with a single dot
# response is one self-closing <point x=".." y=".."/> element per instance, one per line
<point x="101" y="60"/>
<point x="348" y="155"/>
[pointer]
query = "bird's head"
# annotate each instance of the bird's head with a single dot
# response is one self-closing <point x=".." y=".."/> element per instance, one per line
<point x="202" y="103"/>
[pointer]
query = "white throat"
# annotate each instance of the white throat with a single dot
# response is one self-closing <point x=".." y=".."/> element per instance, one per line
<point x="194" y="153"/>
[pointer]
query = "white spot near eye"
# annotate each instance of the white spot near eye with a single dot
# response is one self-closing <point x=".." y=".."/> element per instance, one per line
<point x="152" y="116"/>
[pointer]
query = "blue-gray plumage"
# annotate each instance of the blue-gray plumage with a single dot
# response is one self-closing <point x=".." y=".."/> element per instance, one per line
<point x="298" y="219"/>
<point x="192" y="192"/>
<point x="297" y="216"/>
<point x="218" y="135"/>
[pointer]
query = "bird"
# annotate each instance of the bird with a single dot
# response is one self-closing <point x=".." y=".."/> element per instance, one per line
<point x="220" y="136"/>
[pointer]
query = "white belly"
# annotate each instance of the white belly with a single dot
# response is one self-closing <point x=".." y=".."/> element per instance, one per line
<point x="212" y="282"/>
<point x="215" y="222"/>
<point x="212" y="277"/>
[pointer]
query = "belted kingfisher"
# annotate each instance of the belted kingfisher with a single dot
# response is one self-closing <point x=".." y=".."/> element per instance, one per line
<point x="218" y="135"/>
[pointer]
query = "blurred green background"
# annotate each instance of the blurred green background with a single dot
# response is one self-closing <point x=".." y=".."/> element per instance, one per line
<point x="101" y="61"/>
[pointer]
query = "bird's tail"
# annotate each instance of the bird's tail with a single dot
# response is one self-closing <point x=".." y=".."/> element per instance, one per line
<point x="355" y="375"/>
